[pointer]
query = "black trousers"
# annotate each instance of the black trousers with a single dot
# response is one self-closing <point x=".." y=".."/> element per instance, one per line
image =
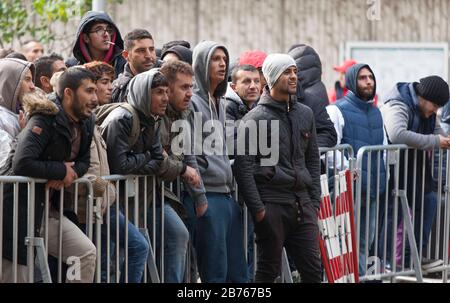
<point x="293" y="226"/>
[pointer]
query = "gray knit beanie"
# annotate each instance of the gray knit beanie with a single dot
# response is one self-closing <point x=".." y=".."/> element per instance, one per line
<point x="274" y="66"/>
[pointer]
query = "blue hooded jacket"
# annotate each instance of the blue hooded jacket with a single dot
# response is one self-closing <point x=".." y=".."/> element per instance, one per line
<point x="363" y="127"/>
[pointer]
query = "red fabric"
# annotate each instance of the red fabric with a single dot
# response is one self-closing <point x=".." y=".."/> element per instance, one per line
<point x="255" y="58"/>
<point x="345" y="65"/>
<point x="87" y="57"/>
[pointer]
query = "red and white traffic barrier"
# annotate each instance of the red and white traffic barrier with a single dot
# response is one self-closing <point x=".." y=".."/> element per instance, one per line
<point x="337" y="240"/>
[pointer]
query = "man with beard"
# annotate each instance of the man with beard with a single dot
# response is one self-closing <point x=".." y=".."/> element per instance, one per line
<point x="140" y="55"/>
<point x="283" y="197"/>
<point x="54" y="145"/>
<point x="409" y="114"/>
<point x="359" y="123"/>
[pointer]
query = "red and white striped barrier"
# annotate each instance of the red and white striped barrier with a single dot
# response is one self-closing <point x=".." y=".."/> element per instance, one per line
<point x="337" y="239"/>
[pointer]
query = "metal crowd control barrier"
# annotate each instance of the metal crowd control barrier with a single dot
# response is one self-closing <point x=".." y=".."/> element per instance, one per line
<point x="441" y="232"/>
<point x="388" y="252"/>
<point x="417" y="181"/>
<point x="33" y="241"/>
<point x="135" y="187"/>
<point x="376" y="220"/>
<point x="134" y="190"/>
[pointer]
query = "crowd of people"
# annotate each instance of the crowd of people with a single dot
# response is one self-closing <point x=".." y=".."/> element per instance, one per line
<point x="114" y="107"/>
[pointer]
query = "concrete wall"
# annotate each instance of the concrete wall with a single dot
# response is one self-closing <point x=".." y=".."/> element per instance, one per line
<point x="274" y="25"/>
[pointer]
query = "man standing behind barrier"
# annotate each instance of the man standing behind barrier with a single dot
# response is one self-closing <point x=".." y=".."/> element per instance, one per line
<point x="148" y="97"/>
<point x="140" y="55"/>
<point x="283" y="198"/>
<point x="219" y="231"/>
<point x="409" y="114"/>
<point x="179" y="75"/>
<point x="54" y="146"/>
<point x="359" y="123"/>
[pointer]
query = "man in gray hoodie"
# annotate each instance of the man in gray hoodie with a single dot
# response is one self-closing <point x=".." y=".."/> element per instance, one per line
<point x="409" y="115"/>
<point x="219" y="229"/>
<point x="16" y="79"/>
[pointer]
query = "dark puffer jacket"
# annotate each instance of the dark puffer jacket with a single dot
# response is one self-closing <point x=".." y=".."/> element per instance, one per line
<point x="296" y="174"/>
<point x="312" y="92"/>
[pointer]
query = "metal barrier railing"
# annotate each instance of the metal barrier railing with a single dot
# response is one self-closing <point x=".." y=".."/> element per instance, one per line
<point x="32" y="240"/>
<point x="392" y="217"/>
<point x="135" y="188"/>
<point x="128" y="195"/>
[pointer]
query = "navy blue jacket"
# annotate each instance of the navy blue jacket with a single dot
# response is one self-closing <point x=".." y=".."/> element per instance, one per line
<point x="363" y="127"/>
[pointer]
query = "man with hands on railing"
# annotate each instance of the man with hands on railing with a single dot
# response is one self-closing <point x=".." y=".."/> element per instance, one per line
<point x="54" y="145"/>
<point x="409" y="114"/>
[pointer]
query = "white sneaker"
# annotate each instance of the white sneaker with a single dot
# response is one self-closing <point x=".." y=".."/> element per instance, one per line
<point x="430" y="263"/>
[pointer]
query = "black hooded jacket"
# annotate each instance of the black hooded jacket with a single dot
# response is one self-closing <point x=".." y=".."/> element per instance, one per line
<point x="42" y="148"/>
<point x="116" y="60"/>
<point x="312" y="92"/>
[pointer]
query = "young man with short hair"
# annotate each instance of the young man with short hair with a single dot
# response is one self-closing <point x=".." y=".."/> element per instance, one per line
<point x="46" y="67"/>
<point x="32" y="50"/>
<point x="54" y="145"/>
<point x="140" y="57"/>
<point x="284" y="197"/>
<point x="98" y="39"/>
<point x="219" y="231"/>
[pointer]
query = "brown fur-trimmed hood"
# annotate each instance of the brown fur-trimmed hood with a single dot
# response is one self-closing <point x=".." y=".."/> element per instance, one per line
<point x="38" y="103"/>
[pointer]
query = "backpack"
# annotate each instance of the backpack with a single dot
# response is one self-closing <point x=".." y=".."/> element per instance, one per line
<point x="103" y="111"/>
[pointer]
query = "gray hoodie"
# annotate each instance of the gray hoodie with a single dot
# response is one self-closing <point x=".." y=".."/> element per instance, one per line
<point x="140" y="91"/>
<point x="396" y="116"/>
<point x="215" y="169"/>
<point x="12" y="72"/>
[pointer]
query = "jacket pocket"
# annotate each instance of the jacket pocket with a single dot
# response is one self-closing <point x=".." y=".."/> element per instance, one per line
<point x="263" y="229"/>
<point x="264" y="173"/>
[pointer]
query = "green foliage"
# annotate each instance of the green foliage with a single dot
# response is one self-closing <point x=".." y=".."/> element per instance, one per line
<point x="19" y="18"/>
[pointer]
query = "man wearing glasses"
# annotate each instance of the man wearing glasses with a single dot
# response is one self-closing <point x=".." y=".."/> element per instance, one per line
<point x="98" y="39"/>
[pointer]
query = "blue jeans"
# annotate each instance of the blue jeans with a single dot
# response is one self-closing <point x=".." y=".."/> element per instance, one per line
<point x="219" y="240"/>
<point x="138" y="248"/>
<point x="176" y="238"/>
<point x="372" y="207"/>
<point x="429" y="214"/>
